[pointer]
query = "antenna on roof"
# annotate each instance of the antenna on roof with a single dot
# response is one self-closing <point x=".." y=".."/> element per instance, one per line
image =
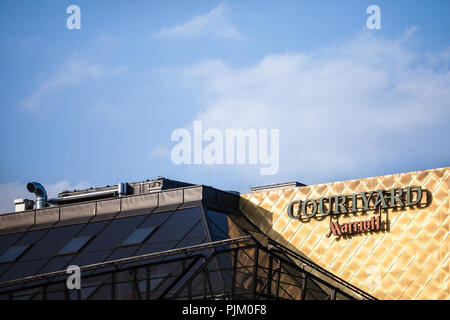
<point x="161" y="173"/>
<point x="115" y="169"/>
<point x="66" y="173"/>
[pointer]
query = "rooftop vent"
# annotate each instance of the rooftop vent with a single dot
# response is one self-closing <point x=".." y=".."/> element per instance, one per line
<point x="67" y="197"/>
<point x="119" y="190"/>
<point x="41" y="195"/>
<point x="277" y="186"/>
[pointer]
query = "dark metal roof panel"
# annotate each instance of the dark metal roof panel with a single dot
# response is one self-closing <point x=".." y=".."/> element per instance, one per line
<point x="162" y="201"/>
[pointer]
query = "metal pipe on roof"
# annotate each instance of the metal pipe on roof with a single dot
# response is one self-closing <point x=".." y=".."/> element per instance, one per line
<point x="41" y="195"/>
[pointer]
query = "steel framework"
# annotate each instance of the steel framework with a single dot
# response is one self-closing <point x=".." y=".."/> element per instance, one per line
<point x="237" y="268"/>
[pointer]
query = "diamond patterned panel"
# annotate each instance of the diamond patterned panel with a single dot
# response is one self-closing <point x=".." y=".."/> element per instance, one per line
<point x="407" y="261"/>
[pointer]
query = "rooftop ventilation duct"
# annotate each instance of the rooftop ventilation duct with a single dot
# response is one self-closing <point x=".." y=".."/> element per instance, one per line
<point x="277" y="186"/>
<point x="88" y="195"/>
<point x="41" y="195"/>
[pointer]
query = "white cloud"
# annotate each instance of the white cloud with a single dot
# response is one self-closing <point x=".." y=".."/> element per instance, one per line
<point x="158" y="152"/>
<point x="106" y="40"/>
<point x="75" y="70"/>
<point x="340" y="109"/>
<point x="15" y="190"/>
<point x="214" y="23"/>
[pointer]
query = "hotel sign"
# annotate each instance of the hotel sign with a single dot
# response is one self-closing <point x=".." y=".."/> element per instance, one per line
<point x="361" y="201"/>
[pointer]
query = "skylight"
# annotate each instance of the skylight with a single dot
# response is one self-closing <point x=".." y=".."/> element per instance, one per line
<point x="138" y="236"/>
<point x="75" y="245"/>
<point x="13" y="253"/>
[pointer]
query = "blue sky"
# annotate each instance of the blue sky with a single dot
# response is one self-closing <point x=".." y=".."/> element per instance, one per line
<point x="349" y="102"/>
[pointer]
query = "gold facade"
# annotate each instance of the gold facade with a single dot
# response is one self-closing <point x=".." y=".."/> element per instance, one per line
<point x="409" y="260"/>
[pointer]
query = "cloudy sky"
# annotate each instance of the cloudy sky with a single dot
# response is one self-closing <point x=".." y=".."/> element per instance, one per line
<point x="97" y="106"/>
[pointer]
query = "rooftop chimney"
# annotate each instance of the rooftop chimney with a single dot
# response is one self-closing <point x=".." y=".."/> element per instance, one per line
<point x="23" y="205"/>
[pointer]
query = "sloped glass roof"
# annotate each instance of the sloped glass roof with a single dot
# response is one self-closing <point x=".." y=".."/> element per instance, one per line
<point x="104" y="242"/>
<point x="200" y="252"/>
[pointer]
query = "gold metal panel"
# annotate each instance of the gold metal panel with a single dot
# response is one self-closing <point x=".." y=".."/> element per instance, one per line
<point x="410" y="260"/>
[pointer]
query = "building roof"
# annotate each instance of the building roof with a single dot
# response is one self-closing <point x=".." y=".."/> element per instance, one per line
<point x="175" y="234"/>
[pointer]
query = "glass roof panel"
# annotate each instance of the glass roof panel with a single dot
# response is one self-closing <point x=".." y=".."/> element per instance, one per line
<point x="217" y="224"/>
<point x="23" y="269"/>
<point x="50" y="244"/>
<point x="114" y="233"/>
<point x="197" y="231"/>
<point x="7" y="241"/>
<point x="92" y="228"/>
<point x="155" y="247"/>
<point x="56" y="264"/>
<point x="122" y="252"/>
<point x="75" y="245"/>
<point x="85" y="258"/>
<point x="30" y="237"/>
<point x="177" y="225"/>
<point x="156" y="219"/>
<point x="138" y="236"/>
<point x="13" y="253"/>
